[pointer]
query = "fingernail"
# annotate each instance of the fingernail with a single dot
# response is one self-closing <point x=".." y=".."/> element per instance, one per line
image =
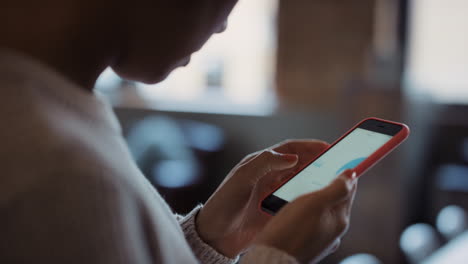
<point x="291" y="157"/>
<point x="351" y="175"/>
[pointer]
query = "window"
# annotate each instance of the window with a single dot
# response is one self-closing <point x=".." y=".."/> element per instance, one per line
<point x="438" y="50"/>
<point x="233" y="73"/>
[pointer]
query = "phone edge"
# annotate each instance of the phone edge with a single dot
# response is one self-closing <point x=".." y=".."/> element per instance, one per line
<point x="379" y="154"/>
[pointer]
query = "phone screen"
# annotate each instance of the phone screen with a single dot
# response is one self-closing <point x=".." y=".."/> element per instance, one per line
<point x="346" y="154"/>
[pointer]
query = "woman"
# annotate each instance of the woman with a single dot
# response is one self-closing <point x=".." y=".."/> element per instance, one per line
<point x="70" y="192"/>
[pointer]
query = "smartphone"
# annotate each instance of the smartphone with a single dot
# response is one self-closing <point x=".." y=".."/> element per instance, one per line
<point x="359" y="149"/>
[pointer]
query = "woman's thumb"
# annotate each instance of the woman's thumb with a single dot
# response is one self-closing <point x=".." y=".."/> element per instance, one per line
<point x="340" y="188"/>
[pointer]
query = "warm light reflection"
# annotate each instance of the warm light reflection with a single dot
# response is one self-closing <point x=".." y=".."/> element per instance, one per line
<point x="438" y="54"/>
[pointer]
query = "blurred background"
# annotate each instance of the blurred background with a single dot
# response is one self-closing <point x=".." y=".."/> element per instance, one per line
<point x="312" y="69"/>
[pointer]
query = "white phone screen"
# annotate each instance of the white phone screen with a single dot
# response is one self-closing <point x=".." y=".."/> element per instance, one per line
<point x="346" y="154"/>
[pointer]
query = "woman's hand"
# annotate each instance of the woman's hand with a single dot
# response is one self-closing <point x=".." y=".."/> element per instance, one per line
<point x="231" y="219"/>
<point x="311" y="227"/>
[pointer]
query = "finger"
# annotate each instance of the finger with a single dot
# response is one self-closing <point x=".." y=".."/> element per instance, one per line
<point x="301" y="146"/>
<point x="269" y="161"/>
<point x="343" y="210"/>
<point x="339" y="190"/>
<point x="307" y="150"/>
<point x="249" y="157"/>
<point x="271" y="181"/>
<point x="335" y="245"/>
<point x="297" y="146"/>
<point x="349" y="204"/>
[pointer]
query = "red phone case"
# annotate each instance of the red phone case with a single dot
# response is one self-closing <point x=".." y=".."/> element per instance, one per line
<point x="367" y="163"/>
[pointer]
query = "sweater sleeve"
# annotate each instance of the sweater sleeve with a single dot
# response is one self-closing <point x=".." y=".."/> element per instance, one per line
<point x="204" y="252"/>
<point x="260" y="254"/>
<point x="72" y="220"/>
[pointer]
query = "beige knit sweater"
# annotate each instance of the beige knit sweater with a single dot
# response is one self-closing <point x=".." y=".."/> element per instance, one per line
<point x="69" y="190"/>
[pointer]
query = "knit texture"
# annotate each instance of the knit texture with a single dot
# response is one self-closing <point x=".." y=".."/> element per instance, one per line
<point x="261" y="254"/>
<point x="204" y="252"/>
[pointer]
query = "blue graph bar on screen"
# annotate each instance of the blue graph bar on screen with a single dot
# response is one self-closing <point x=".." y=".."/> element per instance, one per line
<point x="350" y="165"/>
